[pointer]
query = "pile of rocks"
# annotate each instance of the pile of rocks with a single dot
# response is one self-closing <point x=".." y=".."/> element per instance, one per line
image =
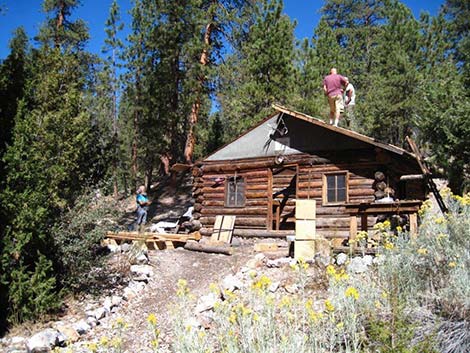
<point x="69" y="331"/>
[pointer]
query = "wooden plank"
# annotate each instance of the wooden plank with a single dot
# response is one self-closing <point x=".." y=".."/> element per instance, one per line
<point x="305" y="229"/>
<point x="261" y="247"/>
<point x="223" y="228"/>
<point x="305" y="209"/>
<point x="352" y="231"/>
<point x="304" y="249"/>
<point x="413" y="225"/>
<point x="149" y="236"/>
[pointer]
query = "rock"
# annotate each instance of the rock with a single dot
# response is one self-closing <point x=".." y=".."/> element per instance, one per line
<point x="282" y="261"/>
<point x="141" y="270"/>
<point x="125" y="247"/>
<point x="357" y="265"/>
<point x="341" y="259"/>
<point x="322" y="260"/>
<point x="81" y="327"/>
<point x="273" y="287"/>
<point x="141" y="259"/>
<point x="206" y="302"/>
<point x="71" y="334"/>
<point x="231" y="283"/>
<point x="44" y="341"/>
<point x="291" y="288"/>
<point x="368" y="259"/>
<point x="98" y="314"/>
<point x="107" y="304"/>
<point x="116" y="300"/>
<point x="17" y="340"/>
<point x="260" y="257"/>
<point x="92" y="321"/>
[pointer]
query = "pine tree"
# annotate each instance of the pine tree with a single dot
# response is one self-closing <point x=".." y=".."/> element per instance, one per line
<point x="389" y="108"/>
<point x="444" y="127"/>
<point x="260" y="70"/>
<point x="50" y="159"/>
<point x="13" y="76"/>
<point x="110" y="85"/>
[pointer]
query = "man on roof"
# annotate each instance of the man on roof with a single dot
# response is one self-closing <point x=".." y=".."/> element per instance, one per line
<point x="333" y="88"/>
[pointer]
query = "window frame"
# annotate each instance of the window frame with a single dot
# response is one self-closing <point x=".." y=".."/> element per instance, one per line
<point x="236" y="180"/>
<point x="325" y="187"/>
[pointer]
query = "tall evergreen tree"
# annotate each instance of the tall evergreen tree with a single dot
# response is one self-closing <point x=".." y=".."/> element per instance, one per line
<point x="260" y="70"/>
<point x="51" y="158"/>
<point x="444" y="127"/>
<point x="110" y="86"/>
<point x="13" y="76"/>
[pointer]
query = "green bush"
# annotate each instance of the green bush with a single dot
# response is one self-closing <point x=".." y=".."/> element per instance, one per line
<point x="77" y="239"/>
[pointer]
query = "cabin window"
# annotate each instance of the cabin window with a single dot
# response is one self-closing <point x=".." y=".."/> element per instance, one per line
<point x="235" y="192"/>
<point x="335" y="188"/>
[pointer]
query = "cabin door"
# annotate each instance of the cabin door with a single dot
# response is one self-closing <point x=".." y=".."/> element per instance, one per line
<point x="282" y="191"/>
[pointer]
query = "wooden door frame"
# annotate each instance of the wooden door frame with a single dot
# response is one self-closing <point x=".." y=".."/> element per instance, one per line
<point x="269" y="214"/>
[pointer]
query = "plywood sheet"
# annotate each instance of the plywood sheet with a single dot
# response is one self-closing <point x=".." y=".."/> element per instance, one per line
<point x="223" y="228"/>
<point x="304" y="249"/>
<point x="305" y="229"/>
<point x="305" y="209"/>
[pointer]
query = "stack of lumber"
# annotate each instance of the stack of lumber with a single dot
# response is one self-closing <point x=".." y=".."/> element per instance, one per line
<point x="156" y="240"/>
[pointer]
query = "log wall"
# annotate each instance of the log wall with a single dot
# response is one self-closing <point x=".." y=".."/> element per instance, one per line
<point x="263" y="178"/>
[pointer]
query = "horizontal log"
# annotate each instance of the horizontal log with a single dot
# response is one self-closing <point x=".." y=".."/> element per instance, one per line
<point x="197" y="207"/>
<point x="242" y="221"/>
<point x="248" y="203"/>
<point x="259" y="163"/>
<point x="235" y="211"/>
<point x="255" y="233"/>
<point x="254" y="173"/>
<point x="412" y="177"/>
<point x="196" y="172"/>
<point x="208" y="248"/>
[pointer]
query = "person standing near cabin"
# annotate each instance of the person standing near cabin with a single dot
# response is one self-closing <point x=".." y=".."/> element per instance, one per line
<point x="349" y="101"/>
<point x="333" y="89"/>
<point x="142" y="206"/>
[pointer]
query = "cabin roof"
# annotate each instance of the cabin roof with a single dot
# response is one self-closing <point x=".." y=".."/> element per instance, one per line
<point x="255" y="142"/>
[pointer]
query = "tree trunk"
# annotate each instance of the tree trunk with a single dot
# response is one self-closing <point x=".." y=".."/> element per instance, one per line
<point x="60" y="22"/>
<point x="194" y="115"/>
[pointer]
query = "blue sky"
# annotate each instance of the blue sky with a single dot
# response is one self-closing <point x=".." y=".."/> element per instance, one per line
<point x="95" y="12"/>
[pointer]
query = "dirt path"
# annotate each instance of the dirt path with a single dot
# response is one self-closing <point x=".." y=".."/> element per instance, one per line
<point x="198" y="269"/>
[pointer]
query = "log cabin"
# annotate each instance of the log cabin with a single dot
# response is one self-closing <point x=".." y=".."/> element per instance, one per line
<point x="288" y="156"/>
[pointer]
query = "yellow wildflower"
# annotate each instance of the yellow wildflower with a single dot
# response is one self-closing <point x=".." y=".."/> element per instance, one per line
<point x="329" y="306"/>
<point x="263" y="283"/>
<point x="285" y="301"/>
<point x="377" y="304"/>
<point x="340" y="325"/>
<point x="441" y="236"/>
<point x="255" y="317"/>
<point x="422" y="251"/>
<point x="440" y="220"/>
<point x="232" y="318"/>
<point x="93" y="347"/>
<point x="399" y="229"/>
<point x="116" y="342"/>
<point x="388" y="245"/>
<point x="104" y="341"/>
<point x="314" y="316"/>
<point x="154" y="343"/>
<point x="182" y="288"/>
<point x="452" y="264"/>
<point x="214" y="288"/>
<point x="152" y="319"/>
<point x="330" y="269"/>
<point x="352" y="292"/>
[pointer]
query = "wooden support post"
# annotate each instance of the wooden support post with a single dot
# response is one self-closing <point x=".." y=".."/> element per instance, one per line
<point x="413" y="225"/>
<point x="352" y="232"/>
